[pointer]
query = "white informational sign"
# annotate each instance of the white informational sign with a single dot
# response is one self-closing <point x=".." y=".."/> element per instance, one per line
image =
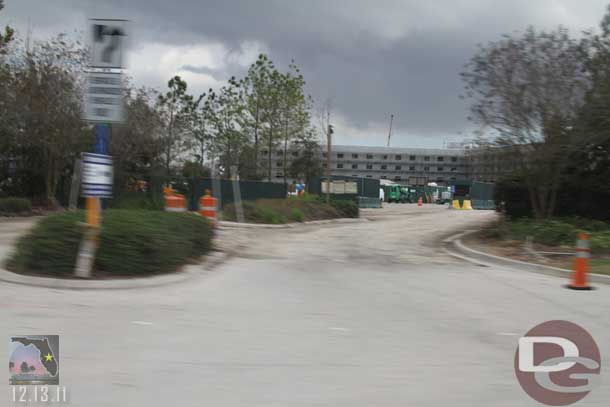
<point x="351" y="188"/>
<point x="104" y="98"/>
<point x="97" y="176"/>
<point x="107" y="43"/>
<point x="340" y="187"/>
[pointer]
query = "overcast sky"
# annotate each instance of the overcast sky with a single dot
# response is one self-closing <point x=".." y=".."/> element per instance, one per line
<point x="370" y="58"/>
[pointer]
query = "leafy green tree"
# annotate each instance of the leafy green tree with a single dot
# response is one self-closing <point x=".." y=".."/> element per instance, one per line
<point x="136" y="145"/>
<point x="589" y="165"/>
<point x="271" y="115"/>
<point x="225" y="110"/>
<point x="308" y="165"/>
<point x="192" y="169"/>
<point x="294" y="112"/>
<point x="256" y="86"/>
<point x="176" y="109"/>
<point x="42" y="128"/>
<point x="7" y="35"/>
<point x="201" y="132"/>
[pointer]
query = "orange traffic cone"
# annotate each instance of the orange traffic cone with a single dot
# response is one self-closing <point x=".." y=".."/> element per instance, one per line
<point x="581" y="263"/>
<point x="419" y="201"/>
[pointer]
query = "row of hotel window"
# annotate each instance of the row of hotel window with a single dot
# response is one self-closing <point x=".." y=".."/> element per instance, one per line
<point x="396" y="178"/>
<point x="397" y="157"/>
<point x="397" y="167"/>
<point x="382" y="167"/>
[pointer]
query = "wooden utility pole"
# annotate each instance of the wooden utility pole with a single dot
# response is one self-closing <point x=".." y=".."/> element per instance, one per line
<point x="329" y="132"/>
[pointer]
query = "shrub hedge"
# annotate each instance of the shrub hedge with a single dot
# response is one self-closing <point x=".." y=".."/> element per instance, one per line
<point x="138" y="200"/>
<point x="277" y="211"/>
<point x="132" y="243"/>
<point x="555" y="232"/>
<point x="582" y="200"/>
<point x="15" y="206"/>
<point x="346" y="208"/>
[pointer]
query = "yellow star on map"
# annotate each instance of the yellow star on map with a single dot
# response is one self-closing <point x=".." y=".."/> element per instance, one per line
<point x="48" y="357"/>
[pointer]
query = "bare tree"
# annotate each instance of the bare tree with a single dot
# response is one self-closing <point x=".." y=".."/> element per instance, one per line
<point x="176" y="111"/>
<point x="528" y="90"/>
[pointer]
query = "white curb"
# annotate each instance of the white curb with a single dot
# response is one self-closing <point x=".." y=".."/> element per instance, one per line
<point x="187" y="272"/>
<point x="477" y="257"/>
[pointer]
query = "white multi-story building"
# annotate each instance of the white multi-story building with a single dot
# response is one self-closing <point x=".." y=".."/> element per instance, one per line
<point x="414" y="166"/>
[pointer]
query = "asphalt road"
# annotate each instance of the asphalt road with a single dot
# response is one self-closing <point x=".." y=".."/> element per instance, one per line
<point x="366" y="314"/>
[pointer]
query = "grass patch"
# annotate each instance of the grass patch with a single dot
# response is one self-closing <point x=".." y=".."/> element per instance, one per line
<point x="597" y="266"/>
<point x="297" y="215"/>
<point x="278" y="211"/>
<point x="600" y="266"/>
<point x="132" y="243"/>
<point x="506" y="237"/>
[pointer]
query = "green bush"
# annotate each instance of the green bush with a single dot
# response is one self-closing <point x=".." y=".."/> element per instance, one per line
<point x="305" y="197"/>
<point x="138" y="200"/>
<point x="346" y="208"/>
<point x="131" y="243"/>
<point x="51" y="247"/>
<point x="551" y="232"/>
<point x="554" y="232"/>
<point x="583" y="198"/>
<point x="12" y="205"/>
<point x="269" y="215"/>
<point x="297" y="215"/>
<point x="277" y="211"/>
<point x="600" y="242"/>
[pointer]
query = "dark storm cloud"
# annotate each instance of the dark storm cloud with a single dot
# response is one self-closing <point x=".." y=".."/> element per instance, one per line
<point x="370" y="58"/>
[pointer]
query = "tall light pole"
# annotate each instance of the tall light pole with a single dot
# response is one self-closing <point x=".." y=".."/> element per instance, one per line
<point x="329" y="132"/>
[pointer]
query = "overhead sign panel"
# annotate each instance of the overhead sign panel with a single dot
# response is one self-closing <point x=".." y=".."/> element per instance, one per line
<point x="104" y="98"/>
<point x="107" y="43"/>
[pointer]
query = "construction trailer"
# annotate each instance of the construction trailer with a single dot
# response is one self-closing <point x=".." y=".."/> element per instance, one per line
<point x="480" y="194"/>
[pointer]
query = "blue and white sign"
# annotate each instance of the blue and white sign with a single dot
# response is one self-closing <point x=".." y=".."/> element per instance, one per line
<point x="97" y="176"/>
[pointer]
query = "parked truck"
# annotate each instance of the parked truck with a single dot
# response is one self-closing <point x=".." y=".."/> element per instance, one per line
<point x="392" y="193"/>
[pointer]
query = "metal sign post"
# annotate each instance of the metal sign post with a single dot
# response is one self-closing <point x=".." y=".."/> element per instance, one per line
<point x="239" y="209"/>
<point x="103" y="105"/>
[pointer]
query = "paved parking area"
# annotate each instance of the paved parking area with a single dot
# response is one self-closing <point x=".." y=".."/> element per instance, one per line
<point x="364" y="314"/>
